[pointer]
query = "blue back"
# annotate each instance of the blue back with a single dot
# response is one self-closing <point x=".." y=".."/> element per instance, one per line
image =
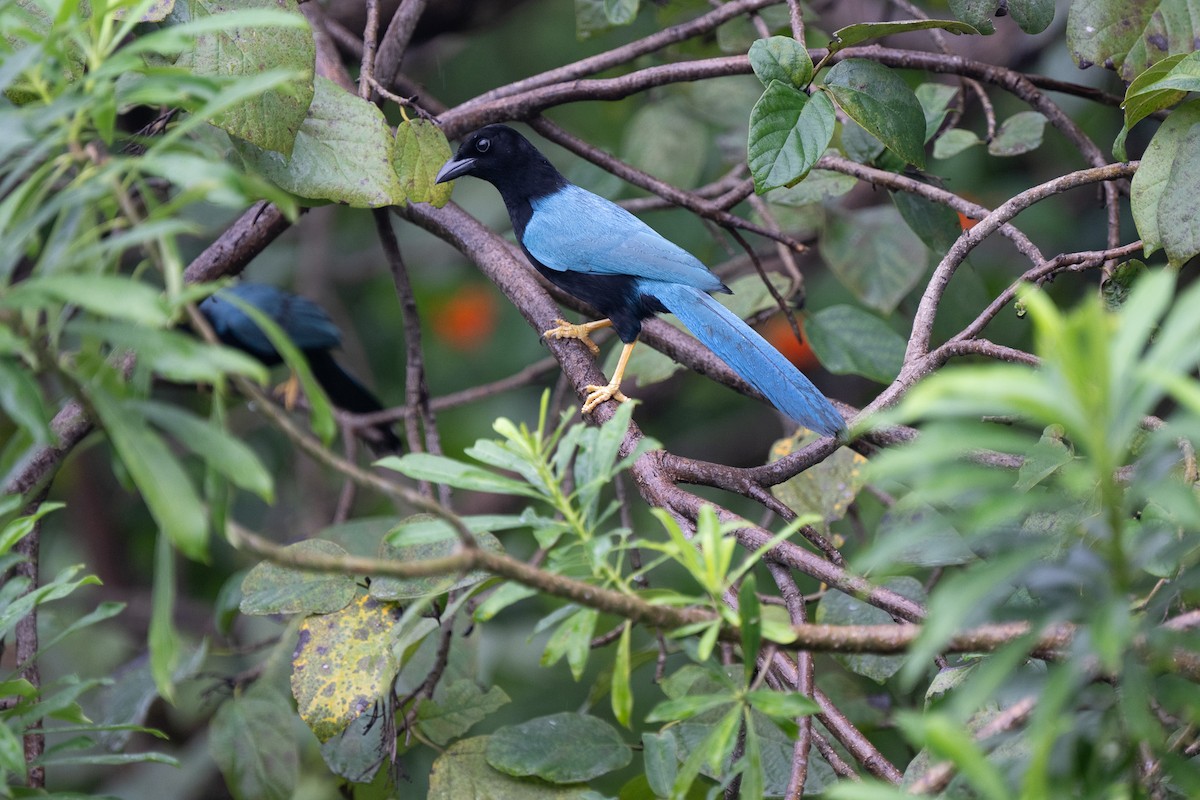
<point x="305" y="322"/>
<point x="573" y="230"/>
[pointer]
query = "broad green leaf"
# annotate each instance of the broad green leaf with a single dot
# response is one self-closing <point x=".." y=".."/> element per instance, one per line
<point x="223" y="452"/>
<point x="127" y="698"/>
<point x="272" y="119"/>
<point x="1179" y="205"/>
<point x="343" y="153"/>
<point x="937" y="225"/>
<point x="818" y="185"/>
<point x="789" y="131"/>
<point x="344" y="664"/>
<point x="1147" y="94"/>
<point x="420" y="150"/>
<point x="850" y="341"/>
<point x="103" y="295"/>
<point x="861" y="32"/>
<point x="421" y="538"/>
<point x="166" y="488"/>
<point x="358" y="752"/>
<point x="462" y="771"/>
<point x="456" y="708"/>
<point x="560" y="748"/>
<point x="977" y="13"/>
<point x="875" y="255"/>
<point x="837" y="608"/>
<point x="1166" y="172"/>
<point x="1018" y="134"/>
<point x="274" y="589"/>
<point x="661" y="762"/>
<point x="935" y="99"/>
<point x="826" y="489"/>
<point x="783" y="59"/>
<point x="668" y="142"/>
<point x="249" y="741"/>
<point x="879" y="100"/>
<point x="953" y="142"/>
<point x="1033" y="16"/>
<point x="439" y="469"/>
<point x="21" y="399"/>
<point x="1129" y="35"/>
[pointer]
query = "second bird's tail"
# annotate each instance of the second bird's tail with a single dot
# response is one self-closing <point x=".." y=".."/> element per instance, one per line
<point x="749" y="355"/>
<point x="348" y="394"/>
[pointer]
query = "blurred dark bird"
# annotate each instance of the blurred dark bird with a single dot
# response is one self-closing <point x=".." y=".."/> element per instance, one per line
<point x="605" y="256"/>
<point x="315" y="336"/>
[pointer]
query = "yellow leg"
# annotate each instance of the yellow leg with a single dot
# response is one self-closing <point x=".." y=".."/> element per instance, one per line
<point x="582" y="332"/>
<point x="289" y="391"/>
<point x="598" y="394"/>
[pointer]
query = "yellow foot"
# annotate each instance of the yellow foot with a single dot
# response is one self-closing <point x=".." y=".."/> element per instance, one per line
<point x="289" y="391"/>
<point x="583" y="332"/>
<point x="599" y="394"/>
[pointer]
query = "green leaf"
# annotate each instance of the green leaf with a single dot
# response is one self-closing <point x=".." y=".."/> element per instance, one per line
<point x="572" y="639"/>
<point x="950" y="741"/>
<point x="359" y="751"/>
<point x="789" y="131"/>
<point x="163" y="639"/>
<point x="1128" y="35"/>
<point x="1147" y="94"/>
<point x="165" y="487"/>
<point x="1115" y="290"/>
<point x="667" y="141"/>
<point x="344" y="664"/>
<point x="621" y="12"/>
<point x="935" y="99"/>
<point x="12" y="751"/>
<point x="270" y="588"/>
<point x="421" y="538"/>
<point x="1018" y="134"/>
<point x="103" y="295"/>
<point x="442" y="470"/>
<point x="249" y="741"/>
<point x="861" y="32"/>
<point x="659" y="755"/>
<point x="560" y="748"/>
<point x="784" y="706"/>
<point x="688" y="706"/>
<point x="462" y="771"/>
<point x="848" y="340"/>
<point x="455" y="708"/>
<point x="127" y="698"/>
<point x="421" y="149"/>
<point x="826" y="489"/>
<point x="1032" y="16"/>
<point x="953" y="142"/>
<point x="937" y="225"/>
<point x="878" y="99"/>
<point x="750" y="620"/>
<point x="223" y="452"/>
<point x="173" y="355"/>
<point x="977" y="13"/>
<point x="783" y="59"/>
<point x="818" y="185"/>
<point x="837" y="608"/>
<point x="622" y="692"/>
<point x="21" y="399"/>
<point x="875" y="255"/>
<point x="271" y="120"/>
<point x="1163" y="195"/>
<point x="343" y="153"/>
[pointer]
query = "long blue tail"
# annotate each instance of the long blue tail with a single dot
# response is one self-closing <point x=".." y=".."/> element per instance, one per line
<point x="749" y="355"/>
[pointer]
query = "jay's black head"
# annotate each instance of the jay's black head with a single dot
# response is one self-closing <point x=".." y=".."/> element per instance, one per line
<point x="505" y="159"/>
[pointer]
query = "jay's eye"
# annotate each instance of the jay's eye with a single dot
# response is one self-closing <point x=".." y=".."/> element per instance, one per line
<point x="483" y="145"/>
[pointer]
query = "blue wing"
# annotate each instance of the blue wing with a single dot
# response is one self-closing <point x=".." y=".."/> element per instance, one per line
<point x="305" y="322"/>
<point x="573" y="230"/>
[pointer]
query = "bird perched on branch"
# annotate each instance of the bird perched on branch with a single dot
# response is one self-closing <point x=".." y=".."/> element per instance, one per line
<point x="315" y="336"/>
<point x="605" y="256"/>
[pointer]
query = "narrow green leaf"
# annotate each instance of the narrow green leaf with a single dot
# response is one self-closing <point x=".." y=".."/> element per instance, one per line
<point x="782" y="705"/>
<point x="223" y="452"/>
<point x="848" y="340"/>
<point x="21" y="399"/>
<point x="753" y="782"/>
<point x="783" y="59"/>
<point x="622" y="691"/>
<point x="572" y="639"/>
<point x="103" y="295"/>
<point x="788" y="133"/>
<point x="750" y="619"/>
<point x="687" y="706"/>
<point x="878" y="99"/>
<point x="164" y="640"/>
<point x="173" y="355"/>
<point x="861" y="32"/>
<point x="12" y="751"/>
<point x="439" y="469"/>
